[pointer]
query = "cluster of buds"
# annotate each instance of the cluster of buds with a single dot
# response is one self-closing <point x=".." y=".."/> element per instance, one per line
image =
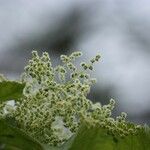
<point x="54" y="106"/>
<point x="90" y="65"/>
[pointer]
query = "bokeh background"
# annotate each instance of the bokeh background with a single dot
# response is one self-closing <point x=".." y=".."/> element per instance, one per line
<point x="117" y="29"/>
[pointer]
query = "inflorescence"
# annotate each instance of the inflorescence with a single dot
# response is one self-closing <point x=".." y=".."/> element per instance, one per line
<point x="55" y="101"/>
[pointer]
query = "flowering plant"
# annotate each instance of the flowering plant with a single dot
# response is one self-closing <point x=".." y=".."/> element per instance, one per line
<point x="51" y="110"/>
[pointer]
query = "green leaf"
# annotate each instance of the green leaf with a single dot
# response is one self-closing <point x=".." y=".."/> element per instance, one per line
<point x="11" y="90"/>
<point x="47" y="147"/>
<point x="13" y="139"/>
<point x="92" y="139"/>
<point x="96" y="138"/>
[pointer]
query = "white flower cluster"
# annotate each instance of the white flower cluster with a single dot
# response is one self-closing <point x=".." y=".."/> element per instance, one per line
<point x="54" y="105"/>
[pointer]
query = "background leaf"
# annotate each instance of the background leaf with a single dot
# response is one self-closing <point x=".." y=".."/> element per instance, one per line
<point x="13" y="139"/>
<point x="96" y="138"/>
<point x="11" y="90"/>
